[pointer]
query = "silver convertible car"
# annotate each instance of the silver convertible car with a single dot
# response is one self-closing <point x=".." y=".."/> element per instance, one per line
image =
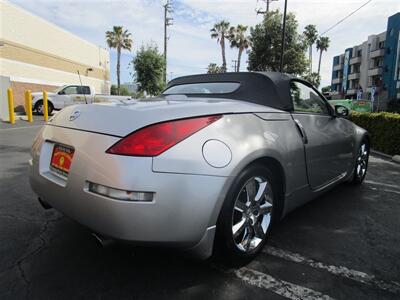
<point x="209" y="165"/>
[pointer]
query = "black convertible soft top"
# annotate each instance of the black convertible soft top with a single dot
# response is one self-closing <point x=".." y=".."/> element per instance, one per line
<point x="264" y="88"/>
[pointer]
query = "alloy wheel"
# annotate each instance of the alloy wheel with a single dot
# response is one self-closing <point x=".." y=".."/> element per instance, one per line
<point x="39" y="109"/>
<point x="252" y="214"/>
<point x="362" y="161"/>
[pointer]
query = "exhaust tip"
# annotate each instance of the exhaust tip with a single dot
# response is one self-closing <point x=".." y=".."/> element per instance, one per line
<point x="102" y="241"/>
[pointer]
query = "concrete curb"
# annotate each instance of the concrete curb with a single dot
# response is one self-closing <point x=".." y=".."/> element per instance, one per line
<point x="395" y="158"/>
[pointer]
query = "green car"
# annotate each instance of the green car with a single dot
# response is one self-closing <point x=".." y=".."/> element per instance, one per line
<point x="356" y="105"/>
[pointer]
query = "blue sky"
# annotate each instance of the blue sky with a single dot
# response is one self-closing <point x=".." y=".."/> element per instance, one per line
<point x="190" y="47"/>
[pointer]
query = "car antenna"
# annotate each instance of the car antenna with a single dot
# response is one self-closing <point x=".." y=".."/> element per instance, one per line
<point x="80" y="80"/>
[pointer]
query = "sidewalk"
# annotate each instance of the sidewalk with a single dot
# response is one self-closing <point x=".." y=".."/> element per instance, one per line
<point x="395" y="158"/>
<point x="37" y="121"/>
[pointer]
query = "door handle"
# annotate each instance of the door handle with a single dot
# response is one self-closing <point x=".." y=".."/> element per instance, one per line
<point x="302" y="131"/>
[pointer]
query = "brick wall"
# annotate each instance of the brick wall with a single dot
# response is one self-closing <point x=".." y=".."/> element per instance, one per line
<point x="19" y="89"/>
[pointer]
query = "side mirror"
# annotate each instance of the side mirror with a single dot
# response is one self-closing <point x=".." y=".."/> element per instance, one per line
<point x="61" y="93"/>
<point x="341" y="111"/>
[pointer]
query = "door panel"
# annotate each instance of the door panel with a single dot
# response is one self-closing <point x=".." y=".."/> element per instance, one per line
<point x="68" y="94"/>
<point x="78" y="99"/>
<point x="82" y="95"/>
<point x="328" y="148"/>
<point x="327" y="139"/>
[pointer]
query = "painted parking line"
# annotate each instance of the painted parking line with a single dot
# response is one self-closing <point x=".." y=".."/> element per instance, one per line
<point x="393" y="186"/>
<point x="391" y="191"/>
<point x="280" y="287"/>
<point x="385" y="190"/>
<point x="358" y="276"/>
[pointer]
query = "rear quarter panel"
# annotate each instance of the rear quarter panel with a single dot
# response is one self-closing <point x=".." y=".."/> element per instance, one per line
<point x="158" y="221"/>
<point x="249" y="137"/>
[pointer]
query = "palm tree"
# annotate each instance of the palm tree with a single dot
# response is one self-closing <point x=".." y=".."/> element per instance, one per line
<point x="238" y="39"/>
<point x="310" y="33"/>
<point x="213" y="69"/>
<point x="322" y="45"/>
<point x="119" y="39"/>
<point x="220" y="32"/>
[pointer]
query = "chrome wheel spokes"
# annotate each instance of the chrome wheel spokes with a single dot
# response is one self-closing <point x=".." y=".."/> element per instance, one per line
<point x="239" y="227"/>
<point x="252" y="214"/>
<point x="362" y="161"/>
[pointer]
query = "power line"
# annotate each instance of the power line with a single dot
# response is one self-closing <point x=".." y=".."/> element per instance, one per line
<point x="346" y="17"/>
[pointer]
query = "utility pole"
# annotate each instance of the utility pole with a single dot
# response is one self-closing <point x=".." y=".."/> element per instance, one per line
<point x="235" y="62"/>
<point x="283" y="36"/>
<point x="264" y="12"/>
<point x="167" y="22"/>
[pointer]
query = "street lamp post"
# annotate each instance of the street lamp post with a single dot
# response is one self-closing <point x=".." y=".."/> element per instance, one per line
<point x="283" y="36"/>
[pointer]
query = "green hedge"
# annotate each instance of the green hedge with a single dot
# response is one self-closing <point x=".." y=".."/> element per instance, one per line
<point x="384" y="130"/>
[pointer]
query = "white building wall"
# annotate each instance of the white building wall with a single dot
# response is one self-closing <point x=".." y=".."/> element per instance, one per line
<point x="36" y="52"/>
<point x="22" y="72"/>
<point x="22" y="27"/>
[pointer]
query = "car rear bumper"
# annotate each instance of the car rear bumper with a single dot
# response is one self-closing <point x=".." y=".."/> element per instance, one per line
<point x="179" y="215"/>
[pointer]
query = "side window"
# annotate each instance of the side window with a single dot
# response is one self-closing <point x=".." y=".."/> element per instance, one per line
<point x="86" y="90"/>
<point x="305" y="99"/>
<point x="83" y="90"/>
<point x="70" y="90"/>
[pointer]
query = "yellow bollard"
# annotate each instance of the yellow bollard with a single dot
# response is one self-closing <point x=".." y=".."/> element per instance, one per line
<point x="28" y="105"/>
<point x="11" y="105"/>
<point x="45" y="107"/>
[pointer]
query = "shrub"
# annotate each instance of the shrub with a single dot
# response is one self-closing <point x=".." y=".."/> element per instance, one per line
<point x="123" y="91"/>
<point x="383" y="128"/>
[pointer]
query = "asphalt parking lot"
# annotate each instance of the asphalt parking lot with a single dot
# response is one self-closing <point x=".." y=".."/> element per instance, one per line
<point x="344" y="245"/>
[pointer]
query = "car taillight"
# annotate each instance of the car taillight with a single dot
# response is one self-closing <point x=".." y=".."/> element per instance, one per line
<point x="155" y="139"/>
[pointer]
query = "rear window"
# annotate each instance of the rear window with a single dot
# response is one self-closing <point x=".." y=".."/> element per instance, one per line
<point x="203" y="88"/>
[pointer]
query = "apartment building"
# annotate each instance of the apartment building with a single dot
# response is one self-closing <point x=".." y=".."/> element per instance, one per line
<point x="38" y="55"/>
<point x="373" y="66"/>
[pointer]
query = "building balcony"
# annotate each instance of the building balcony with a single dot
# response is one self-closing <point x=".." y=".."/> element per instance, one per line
<point x="336" y="80"/>
<point x="355" y="60"/>
<point x="377" y="53"/>
<point x="353" y="76"/>
<point x="351" y="91"/>
<point x="338" y="67"/>
<point x="375" y="71"/>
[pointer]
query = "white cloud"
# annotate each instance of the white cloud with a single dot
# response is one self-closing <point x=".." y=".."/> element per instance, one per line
<point x="190" y="46"/>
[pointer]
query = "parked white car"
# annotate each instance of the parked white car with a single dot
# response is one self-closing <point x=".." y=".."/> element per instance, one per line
<point x="71" y="94"/>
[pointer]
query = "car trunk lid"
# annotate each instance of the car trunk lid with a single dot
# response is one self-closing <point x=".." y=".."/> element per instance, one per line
<point x="120" y="119"/>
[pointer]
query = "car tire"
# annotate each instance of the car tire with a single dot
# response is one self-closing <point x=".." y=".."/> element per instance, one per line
<point x="39" y="107"/>
<point x="246" y="216"/>
<point x="361" y="164"/>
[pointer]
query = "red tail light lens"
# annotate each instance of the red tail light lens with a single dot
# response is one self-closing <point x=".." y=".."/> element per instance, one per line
<point x="155" y="139"/>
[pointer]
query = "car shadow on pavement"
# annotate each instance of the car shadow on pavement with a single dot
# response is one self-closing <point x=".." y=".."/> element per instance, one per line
<point x="71" y="264"/>
<point x="48" y="255"/>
